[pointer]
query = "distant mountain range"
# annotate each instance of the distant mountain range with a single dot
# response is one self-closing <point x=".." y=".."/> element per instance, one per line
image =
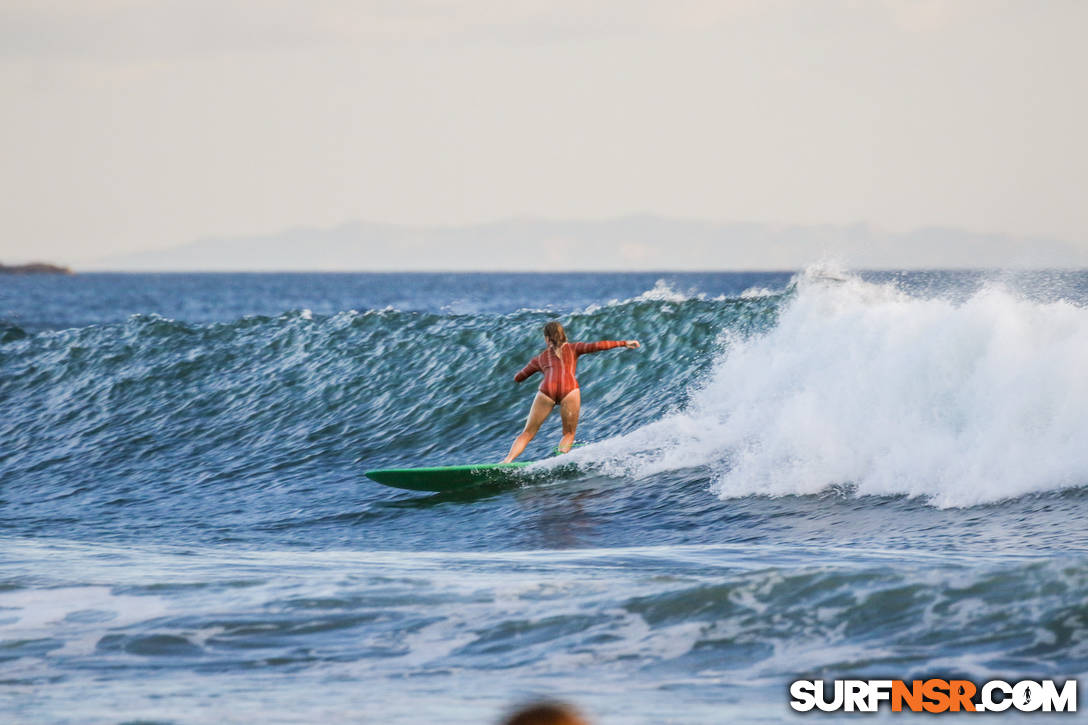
<point x="625" y="243"/>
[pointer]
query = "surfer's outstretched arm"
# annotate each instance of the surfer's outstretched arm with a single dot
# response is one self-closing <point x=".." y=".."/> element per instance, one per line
<point x="584" y="348"/>
<point x="532" y="367"/>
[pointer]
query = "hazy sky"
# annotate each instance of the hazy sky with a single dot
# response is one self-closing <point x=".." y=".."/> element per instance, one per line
<point x="134" y="125"/>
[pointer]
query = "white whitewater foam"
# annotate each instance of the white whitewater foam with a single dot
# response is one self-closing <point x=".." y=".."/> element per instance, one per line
<point x="861" y="384"/>
<point x="662" y="291"/>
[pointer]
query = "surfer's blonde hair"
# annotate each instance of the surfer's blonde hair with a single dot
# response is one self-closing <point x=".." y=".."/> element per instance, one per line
<point x="555" y="334"/>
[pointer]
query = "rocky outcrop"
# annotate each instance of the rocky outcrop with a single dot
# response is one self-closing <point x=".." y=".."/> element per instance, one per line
<point x="34" y="268"/>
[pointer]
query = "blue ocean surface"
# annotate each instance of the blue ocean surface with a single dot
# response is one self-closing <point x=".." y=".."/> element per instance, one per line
<point x="800" y="475"/>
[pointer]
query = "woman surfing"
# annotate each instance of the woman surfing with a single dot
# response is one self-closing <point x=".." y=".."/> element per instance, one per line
<point x="557" y="364"/>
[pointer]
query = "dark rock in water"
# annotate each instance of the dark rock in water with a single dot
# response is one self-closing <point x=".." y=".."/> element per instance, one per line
<point x="34" y="268"/>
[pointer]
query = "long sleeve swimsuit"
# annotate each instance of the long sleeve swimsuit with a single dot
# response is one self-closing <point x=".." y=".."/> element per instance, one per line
<point x="559" y="370"/>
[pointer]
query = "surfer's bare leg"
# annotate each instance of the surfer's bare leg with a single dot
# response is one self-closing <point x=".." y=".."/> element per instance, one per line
<point x="542" y="407"/>
<point x="569" y="410"/>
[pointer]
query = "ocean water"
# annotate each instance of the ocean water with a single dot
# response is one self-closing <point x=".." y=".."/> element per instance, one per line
<point x="820" y="474"/>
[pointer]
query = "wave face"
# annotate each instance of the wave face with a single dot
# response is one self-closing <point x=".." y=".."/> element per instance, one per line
<point x="821" y="474"/>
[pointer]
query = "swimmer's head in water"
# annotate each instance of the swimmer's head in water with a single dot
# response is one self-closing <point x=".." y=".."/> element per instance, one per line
<point x="545" y="713"/>
<point x="554" y="334"/>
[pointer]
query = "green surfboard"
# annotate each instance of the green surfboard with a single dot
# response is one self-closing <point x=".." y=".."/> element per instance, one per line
<point x="447" y="478"/>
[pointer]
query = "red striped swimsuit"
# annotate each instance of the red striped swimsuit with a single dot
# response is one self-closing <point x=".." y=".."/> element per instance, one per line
<point x="559" y="372"/>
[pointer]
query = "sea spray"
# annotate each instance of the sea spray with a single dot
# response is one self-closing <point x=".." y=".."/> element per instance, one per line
<point x="863" y="386"/>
